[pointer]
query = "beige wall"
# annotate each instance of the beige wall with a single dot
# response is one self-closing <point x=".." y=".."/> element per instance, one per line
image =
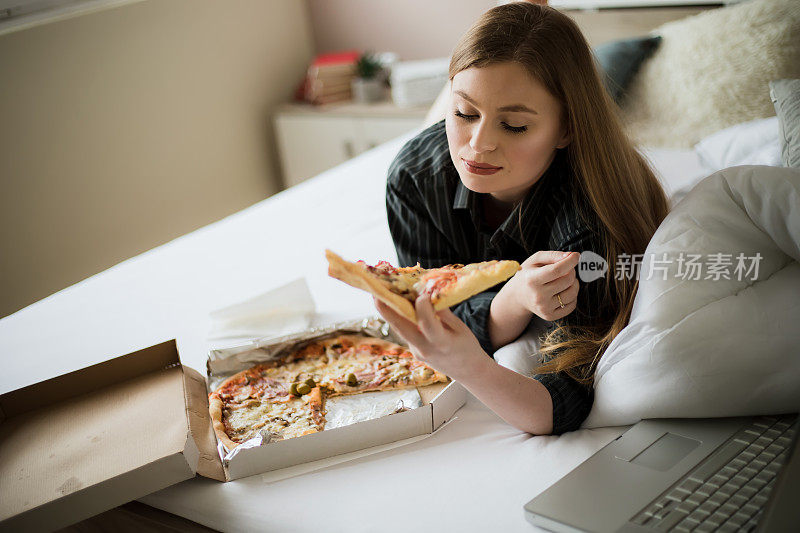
<point x="419" y="29"/>
<point x="611" y="24"/>
<point x="414" y="29"/>
<point x="123" y="129"/>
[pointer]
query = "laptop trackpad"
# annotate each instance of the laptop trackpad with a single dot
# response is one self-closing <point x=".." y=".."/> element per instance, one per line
<point x="666" y="452"/>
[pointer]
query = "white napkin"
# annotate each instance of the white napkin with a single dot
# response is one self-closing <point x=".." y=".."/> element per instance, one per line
<point x="283" y="310"/>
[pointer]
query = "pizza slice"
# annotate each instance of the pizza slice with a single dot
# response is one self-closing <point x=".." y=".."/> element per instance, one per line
<point x="260" y="399"/>
<point x="361" y="364"/>
<point x="278" y="420"/>
<point x="400" y="287"/>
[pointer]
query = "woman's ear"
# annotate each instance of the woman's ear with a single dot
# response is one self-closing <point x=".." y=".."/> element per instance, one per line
<point x="566" y="138"/>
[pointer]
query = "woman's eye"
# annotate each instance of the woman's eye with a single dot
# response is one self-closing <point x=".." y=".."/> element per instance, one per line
<point x="507" y="127"/>
<point x="459" y="114"/>
<point x="514" y="129"/>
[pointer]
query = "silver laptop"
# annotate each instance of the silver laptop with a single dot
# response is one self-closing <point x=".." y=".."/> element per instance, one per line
<point x="725" y="474"/>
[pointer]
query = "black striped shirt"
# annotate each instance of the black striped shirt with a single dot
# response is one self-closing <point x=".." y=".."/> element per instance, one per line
<point x="435" y="220"/>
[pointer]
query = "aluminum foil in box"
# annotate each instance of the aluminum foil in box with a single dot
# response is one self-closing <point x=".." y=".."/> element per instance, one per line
<point x="340" y="411"/>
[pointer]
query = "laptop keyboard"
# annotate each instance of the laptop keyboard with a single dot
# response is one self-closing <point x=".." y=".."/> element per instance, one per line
<point x="729" y="489"/>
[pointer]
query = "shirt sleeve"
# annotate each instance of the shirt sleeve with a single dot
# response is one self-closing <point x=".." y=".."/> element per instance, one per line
<point x="572" y="401"/>
<point x="474" y="312"/>
<point x="418" y="240"/>
<point x="591" y="308"/>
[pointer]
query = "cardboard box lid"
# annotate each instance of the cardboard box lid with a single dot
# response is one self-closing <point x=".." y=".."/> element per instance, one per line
<point x="87" y="441"/>
<point x="209" y="463"/>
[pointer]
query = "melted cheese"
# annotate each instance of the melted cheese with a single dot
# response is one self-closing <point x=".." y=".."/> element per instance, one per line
<point x="397" y="371"/>
<point x="404" y="283"/>
<point x="368" y="369"/>
<point x="284" y="420"/>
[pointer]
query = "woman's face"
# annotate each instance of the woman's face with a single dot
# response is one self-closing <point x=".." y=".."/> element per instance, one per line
<point x="503" y="128"/>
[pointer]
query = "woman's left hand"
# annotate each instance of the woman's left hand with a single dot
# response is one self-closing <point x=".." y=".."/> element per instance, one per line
<point x="439" y="338"/>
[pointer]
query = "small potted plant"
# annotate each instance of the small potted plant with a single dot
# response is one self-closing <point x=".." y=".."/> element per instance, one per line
<point x="368" y="85"/>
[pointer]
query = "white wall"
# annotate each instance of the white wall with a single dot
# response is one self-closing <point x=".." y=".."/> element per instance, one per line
<point x="123" y="129"/>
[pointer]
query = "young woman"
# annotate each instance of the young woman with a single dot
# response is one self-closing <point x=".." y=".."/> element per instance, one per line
<point x="530" y="164"/>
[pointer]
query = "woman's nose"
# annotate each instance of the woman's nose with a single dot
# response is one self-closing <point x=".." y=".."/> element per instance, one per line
<point x="482" y="139"/>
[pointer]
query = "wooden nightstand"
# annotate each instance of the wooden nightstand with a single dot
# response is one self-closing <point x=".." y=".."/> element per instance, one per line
<point x="312" y="139"/>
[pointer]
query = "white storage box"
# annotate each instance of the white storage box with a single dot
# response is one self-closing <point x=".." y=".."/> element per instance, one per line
<point x="418" y="82"/>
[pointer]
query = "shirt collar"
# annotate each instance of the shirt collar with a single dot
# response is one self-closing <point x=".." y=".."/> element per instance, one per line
<point x="525" y="223"/>
<point x="464" y="198"/>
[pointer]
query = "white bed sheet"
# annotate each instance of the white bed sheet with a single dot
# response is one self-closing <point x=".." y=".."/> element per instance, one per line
<point x="475" y="474"/>
<point x="677" y="170"/>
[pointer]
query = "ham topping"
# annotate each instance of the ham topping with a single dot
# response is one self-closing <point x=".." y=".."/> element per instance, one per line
<point x="434" y="284"/>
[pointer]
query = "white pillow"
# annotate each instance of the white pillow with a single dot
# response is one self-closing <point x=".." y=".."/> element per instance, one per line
<point x="756" y="142"/>
<point x="712" y="71"/>
<point x="706" y="347"/>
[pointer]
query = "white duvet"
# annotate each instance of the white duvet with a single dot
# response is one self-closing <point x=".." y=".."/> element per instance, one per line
<point x="713" y="347"/>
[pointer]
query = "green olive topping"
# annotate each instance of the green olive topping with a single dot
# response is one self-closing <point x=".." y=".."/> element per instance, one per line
<point x="303" y="389"/>
<point x="352" y="380"/>
<point x="310" y="382"/>
<point x="293" y="389"/>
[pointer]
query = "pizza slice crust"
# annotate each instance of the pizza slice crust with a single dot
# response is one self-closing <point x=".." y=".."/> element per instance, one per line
<point x="317" y="405"/>
<point x="215" y="409"/>
<point x="357" y="276"/>
<point x="363" y="340"/>
<point x="434" y="377"/>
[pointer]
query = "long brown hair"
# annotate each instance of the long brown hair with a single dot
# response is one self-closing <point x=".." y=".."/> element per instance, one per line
<point x="614" y="184"/>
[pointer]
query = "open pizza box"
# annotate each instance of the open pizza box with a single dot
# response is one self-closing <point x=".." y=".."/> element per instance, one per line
<point x="85" y="442"/>
<point x="90" y="440"/>
<point x="430" y="406"/>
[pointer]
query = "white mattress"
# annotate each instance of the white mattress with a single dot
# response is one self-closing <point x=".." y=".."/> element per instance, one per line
<point x="474" y="474"/>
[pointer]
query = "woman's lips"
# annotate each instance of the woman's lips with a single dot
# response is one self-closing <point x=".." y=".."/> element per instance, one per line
<point x="480" y="168"/>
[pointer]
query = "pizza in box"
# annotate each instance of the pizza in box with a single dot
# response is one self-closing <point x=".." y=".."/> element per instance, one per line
<point x="285" y="397"/>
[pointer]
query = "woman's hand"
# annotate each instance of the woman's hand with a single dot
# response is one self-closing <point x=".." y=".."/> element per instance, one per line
<point x="447" y="344"/>
<point x="546" y="285"/>
<point x="439" y="338"/>
<point x="544" y="277"/>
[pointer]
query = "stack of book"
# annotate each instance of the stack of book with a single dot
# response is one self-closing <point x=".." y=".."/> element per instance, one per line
<point x="329" y="76"/>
